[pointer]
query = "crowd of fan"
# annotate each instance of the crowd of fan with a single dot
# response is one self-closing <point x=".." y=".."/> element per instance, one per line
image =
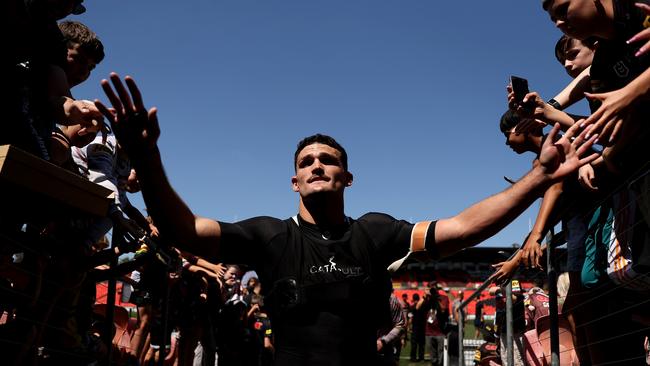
<point x="433" y="319"/>
<point x="50" y="265"/>
<point x="604" y="208"/>
<point x="213" y="320"/>
<point x="47" y="287"/>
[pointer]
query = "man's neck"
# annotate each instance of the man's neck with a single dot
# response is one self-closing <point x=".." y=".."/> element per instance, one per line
<point x="323" y="211"/>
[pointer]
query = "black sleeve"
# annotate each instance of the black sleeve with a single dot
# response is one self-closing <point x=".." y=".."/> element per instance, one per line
<point x="430" y="244"/>
<point x="245" y="242"/>
<point x="393" y="237"/>
<point x="390" y="235"/>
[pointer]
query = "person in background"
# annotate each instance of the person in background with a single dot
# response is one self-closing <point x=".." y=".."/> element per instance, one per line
<point x="389" y="337"/>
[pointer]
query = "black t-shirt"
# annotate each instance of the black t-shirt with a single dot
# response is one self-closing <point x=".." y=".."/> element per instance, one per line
<point x="261" y="325"/>
<point x="327" y="289"/>
<point x="628" y="19"/>
<point x="614" y="64"/>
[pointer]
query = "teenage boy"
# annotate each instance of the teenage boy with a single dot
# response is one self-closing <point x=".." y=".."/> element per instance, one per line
<point x="324" y="268"/>
<point x="84" y="52"/>
<point x="619" y="75"/>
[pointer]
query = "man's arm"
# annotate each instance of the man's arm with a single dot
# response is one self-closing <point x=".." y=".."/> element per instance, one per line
<point x="531" y="251"/>
<point x="138" y="131"/>
<point x="173" y="217"/>
<point x="219" y="268"/>
<point x="484" y="219"/>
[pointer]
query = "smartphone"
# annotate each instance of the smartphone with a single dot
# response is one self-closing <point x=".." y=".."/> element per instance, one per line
<point x="519" y="87"/>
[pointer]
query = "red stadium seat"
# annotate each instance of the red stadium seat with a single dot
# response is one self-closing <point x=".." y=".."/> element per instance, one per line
<point x="533" y="349"/>
<point x="122" y="337"/>
<point x="568" y="354"/>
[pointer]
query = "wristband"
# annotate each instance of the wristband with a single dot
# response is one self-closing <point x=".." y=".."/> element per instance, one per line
<point x="555" y="104"/>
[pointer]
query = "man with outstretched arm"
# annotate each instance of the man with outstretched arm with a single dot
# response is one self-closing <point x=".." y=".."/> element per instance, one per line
<point x="323" y="268"/>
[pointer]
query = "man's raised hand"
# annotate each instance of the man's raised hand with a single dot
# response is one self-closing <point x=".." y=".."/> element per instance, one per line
<point x="561" y="157"/>
<point x="136" y="129"/>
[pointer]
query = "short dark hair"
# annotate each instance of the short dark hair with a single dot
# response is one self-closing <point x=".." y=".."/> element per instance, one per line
<point x="238" y="270"/>
<point x="78" y="33"/>
<point x="565" y="43"/>
<point x="546" y="4"/>
<point x="321" y="139"/>
<point x="509" y="120"/>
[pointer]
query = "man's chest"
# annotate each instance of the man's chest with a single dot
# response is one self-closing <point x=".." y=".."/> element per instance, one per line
<point x="330" y="262"/>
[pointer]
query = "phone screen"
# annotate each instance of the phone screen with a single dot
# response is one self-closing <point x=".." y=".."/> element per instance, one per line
<point x="519" y="87"/>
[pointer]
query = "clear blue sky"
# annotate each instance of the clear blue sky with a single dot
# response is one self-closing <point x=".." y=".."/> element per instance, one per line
<point x="413" y="89"/>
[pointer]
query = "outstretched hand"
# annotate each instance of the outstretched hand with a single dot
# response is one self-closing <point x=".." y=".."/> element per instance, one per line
<point x="587" y="178"/>
<point x="608" y="118"/>
<point x="531" y="252"/>
<point x="561" y="157"/>
<point x="643" y="35"/>
<point x="504" y="271"/>
<point x="136" y="129"/>
<point x="81" y="112"/>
